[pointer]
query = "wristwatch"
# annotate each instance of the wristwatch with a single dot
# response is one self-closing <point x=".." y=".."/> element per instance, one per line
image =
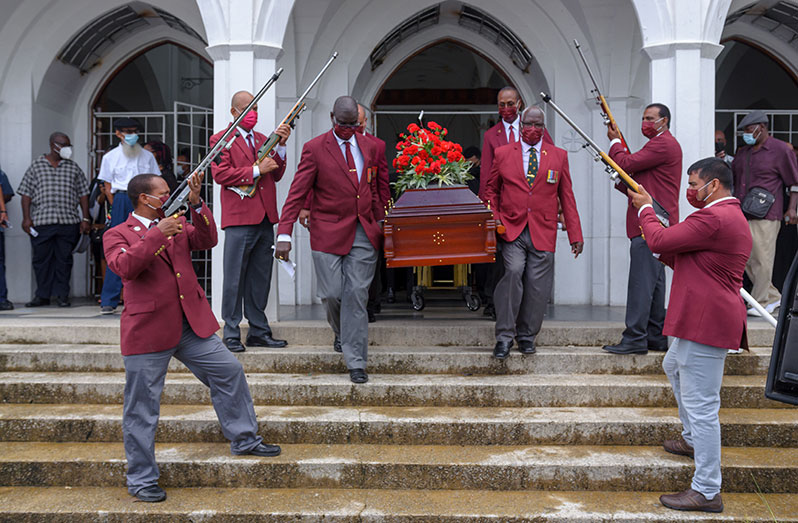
<point x="86" y="220"/>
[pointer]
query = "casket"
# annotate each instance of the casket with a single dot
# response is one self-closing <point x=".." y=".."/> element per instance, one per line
<point x="439" y="226"/>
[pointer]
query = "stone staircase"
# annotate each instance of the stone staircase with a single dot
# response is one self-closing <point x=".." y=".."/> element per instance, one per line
<point x="442" y="432"/>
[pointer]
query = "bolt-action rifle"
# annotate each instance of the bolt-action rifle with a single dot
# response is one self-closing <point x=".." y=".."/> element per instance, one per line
<point x="267" y="149"/>
<point x="178" y="199"/>
<point x="613" y="169"/>
<point x="605" y="107"/>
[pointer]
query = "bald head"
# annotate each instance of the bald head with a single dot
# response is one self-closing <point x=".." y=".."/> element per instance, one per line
<point x="345" y="110"/>
<point x="533" y="113"/>
<point x="240" y="100"/>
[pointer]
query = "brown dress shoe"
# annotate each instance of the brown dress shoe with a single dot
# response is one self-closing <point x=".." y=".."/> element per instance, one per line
<point x="680" y="447"/>
<point x="692" y="500"/>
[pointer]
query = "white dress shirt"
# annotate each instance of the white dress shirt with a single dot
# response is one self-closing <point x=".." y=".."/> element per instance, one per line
<point x="514" y="126"/>
<point x="145" y="221"/>
<point x="118" y="169"/>
<point x="707" y="206"/>
<point x="526" y="151"/>
<point x="249" y="135"/>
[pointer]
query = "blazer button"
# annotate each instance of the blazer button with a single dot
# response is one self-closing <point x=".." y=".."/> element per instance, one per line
<point x="358" y="196"/>
<point x="178" y="274"/>
<point x="181" y="296"/>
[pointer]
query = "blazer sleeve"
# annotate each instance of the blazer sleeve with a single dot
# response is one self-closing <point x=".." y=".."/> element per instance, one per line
<point x="304" y="180"/>
<point x="493" y="189"/>
<point x="565" y="192"/>
<point x="225" y="173"/>
<point x="278" y="173"/>
<point x="383" y="182"/>
<point x="128" y="260"/>
<point x="646" y="158"/>
<point x="202" y="234"/>
<point x="692" y="234"/>
<point x="485" y="166"/>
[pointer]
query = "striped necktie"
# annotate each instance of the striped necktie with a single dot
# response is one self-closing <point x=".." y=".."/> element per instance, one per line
<point x="532" y="167"/>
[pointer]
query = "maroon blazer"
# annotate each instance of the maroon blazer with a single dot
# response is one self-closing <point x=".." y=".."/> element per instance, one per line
<point x="658" y="167"/>
<point x="708" y="252"/>
<point x="235" y="168"/>
<point x="383" y="182"/>
<point x="494" y="138"/>
<point x="160" y="283"/>
<point x="519" y="206"/>
<point x="339" y="203"/>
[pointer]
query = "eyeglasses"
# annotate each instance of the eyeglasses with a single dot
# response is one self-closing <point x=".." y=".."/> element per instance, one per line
<point x="538" y="125"/>
<point x="355" y="125"/>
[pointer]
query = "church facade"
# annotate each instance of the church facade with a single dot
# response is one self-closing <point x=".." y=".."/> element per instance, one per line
<point x="59" y="57"/>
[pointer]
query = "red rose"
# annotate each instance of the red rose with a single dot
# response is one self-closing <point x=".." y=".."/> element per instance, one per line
<point x="436" y="151"/>
<point x="434" y="126"/>
<point x="413" y="128"/>
<point x="452" y="156"/>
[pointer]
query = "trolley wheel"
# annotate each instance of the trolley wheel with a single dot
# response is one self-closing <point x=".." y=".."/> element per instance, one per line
<point x="473" y="302"/>
<point x="418" y="301"/>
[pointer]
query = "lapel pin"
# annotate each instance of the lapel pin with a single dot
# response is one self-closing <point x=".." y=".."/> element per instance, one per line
<point x="137" y="228"/>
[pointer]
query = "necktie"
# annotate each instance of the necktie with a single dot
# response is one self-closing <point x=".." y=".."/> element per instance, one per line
<point x="153" y="224"/>
<point x="510" y="135"/>
<point x="532" y="168"/>
<point x="350" y="161"/>
<point x="251" y="143"/>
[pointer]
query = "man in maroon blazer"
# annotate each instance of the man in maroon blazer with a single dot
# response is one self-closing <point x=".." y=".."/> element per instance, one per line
<point x="340" y="167"/>
<point x="529" y="180"/>
<point x="167" y="314"/>
<point x="708" y="252"/>
<point x="658" y="166"/>
<point x="248" y="223"/>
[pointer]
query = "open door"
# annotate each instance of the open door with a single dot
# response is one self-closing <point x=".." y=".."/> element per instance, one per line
<point x="782" y="384"/>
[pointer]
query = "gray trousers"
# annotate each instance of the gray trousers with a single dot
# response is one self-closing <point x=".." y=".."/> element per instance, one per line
<point x="645" y="298"/>
<point x="696" y="372"/>
<point x="522" y="293"/>
<point x="248" y="259"/>
<point x="210" y="361"/>
<point x="344" y="289"/>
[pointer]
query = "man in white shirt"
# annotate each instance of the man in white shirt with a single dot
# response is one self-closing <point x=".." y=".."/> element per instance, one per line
<point x="118" y="167"/>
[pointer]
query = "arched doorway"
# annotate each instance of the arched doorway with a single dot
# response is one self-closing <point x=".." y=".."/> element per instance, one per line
<point x="168" y="89"/>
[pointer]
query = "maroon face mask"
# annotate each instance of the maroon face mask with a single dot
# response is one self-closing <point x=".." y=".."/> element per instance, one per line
<point x="343" y="132"/>
<point x="508" y="113"/>
<point x="649" y="129"/>
<point x="159" y="210"/>
<point x="531" y="134"/>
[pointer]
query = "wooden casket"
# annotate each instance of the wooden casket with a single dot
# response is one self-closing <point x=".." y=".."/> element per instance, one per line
<point x="439" y="226"/>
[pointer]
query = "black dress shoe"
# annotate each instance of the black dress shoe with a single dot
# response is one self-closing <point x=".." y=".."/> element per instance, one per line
<point x="502" y="349"/>
<point x="265" y="450"/>
<point x="234" y="345"/>
<point x="526" y="347"/>
<point x="358" y="376"/>
<point x="391" y="298"/>
<point x="658" y="348"/>
<point x="372" y="316"/>
<point x="622" y="348"/>
<point x="151" y="494"/>
<point x="38" y="302"/>
<point x="6" y="306"/>
<point x="337" y="345"/>
<point x="488" y="310"/>
<point x="62" y="301"/>
<point x="265" y="341"/>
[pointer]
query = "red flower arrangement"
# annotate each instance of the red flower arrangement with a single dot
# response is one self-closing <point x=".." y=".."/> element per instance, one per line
<point x="424" y="156"/>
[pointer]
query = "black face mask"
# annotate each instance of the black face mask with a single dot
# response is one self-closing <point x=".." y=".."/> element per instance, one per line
<point x="719" y="146"/>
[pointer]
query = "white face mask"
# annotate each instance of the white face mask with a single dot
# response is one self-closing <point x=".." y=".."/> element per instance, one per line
<point x="65" y="152"/>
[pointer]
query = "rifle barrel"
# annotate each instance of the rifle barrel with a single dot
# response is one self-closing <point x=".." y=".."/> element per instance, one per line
<point x="589" y="71"/>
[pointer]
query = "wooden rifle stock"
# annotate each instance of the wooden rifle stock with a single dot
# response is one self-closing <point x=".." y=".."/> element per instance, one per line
<point x="605" y="107"/>
<point x="269" y="145"/>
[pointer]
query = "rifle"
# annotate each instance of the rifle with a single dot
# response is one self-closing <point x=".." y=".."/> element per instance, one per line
<point x="612" y="168"/>
<point x="178" y="199"/>
<point x="247" y="191"/>
<point x="605" y="107"/>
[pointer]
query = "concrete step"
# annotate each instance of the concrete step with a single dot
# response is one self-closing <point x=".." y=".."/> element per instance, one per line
<point x="404" y="425"/>
<point x="611" y="468"/>
<point x="421" y="333"/>
<point x="382" y="360"/>
<point x="410" y="390"/>
<point x="187" y="505"/>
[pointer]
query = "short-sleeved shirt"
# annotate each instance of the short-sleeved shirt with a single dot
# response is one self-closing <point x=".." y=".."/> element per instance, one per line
<point x="772" y="167"/>
<point x="55" y="192"/>
<point x="118" y="169"/>
<point x="5" y="185"/>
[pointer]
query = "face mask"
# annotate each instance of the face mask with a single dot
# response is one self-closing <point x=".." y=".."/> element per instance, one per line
<point x="180" y="170"/>
<point x="531" y="134"/>
<point x="719" y="146"/>
<point x="163" y="199"/>
<point x="250" y="120"/>
<point x="131" y="139"/>
<point x="508" y="113"/>
<point x="65" y="152"/>
<point x="750" y="138"/>
<point x="692" y="197"/>
<point x="344" y="132"/>
<point x="649" y="129"/>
